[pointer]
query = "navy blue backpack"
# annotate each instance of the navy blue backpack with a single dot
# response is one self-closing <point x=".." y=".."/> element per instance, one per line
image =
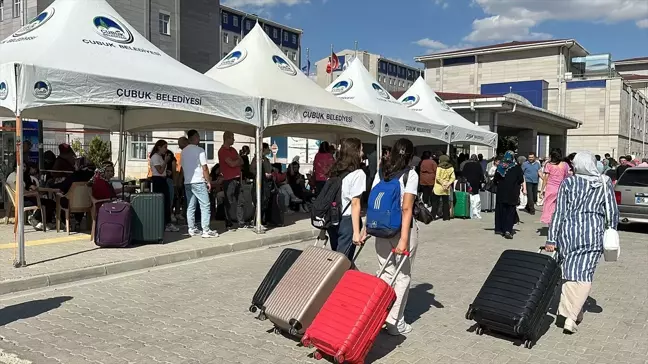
<point x="384" y="212"/>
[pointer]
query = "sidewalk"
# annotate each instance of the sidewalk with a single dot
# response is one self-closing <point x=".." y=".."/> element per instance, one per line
<point x="60" y="258"/>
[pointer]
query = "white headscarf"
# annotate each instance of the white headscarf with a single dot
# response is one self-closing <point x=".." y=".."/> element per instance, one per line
<point x="585" y="167"/>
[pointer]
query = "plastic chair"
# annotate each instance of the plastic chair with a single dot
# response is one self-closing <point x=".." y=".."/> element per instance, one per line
<point x="78" y="202"/>
<point x="12" y="199"/>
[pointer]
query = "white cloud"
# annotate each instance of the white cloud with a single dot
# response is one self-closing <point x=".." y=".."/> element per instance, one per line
<point x="643" y="23"/>
<point x="288" y="16"/>
<point x="264" y="3"/>
<point x="431" y="44"/>
<point x="515" y="19"/>
<point x="443" y="4"/>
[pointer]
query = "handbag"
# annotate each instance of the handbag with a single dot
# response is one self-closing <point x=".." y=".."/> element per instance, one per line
<point x="611" y="244"/>
<point x="421" y="213"/>
<point x="490" y="186"/>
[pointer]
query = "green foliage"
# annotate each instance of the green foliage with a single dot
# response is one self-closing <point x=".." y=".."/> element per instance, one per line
<point x="77" y="147"/>
<point x="98" y="151"/>
<point x="506" y="143"/>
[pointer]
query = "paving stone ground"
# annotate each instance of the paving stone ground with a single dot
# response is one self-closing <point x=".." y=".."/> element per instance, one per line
<point x="196" y="312"/>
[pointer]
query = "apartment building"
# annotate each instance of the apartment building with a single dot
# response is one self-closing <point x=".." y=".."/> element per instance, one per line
<point x="634" y="72"/>
<point x="393" y="76"/>
<point x="560" y="76"/>
<point x="236" y="24"/>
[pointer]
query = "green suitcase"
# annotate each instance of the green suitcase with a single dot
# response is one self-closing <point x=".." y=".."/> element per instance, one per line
<point x="147" y="224"/>
<point x="462" y="205"/>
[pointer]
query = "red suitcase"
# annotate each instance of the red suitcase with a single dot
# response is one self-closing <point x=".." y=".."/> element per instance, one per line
<point x="350" y="320"/>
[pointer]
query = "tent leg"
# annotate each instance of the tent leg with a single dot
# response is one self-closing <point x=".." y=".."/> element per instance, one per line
<point x="378" y="151"/>
<point x="120" y="172"/>
<point x="448" y="149"/>
<point x="257" y="177"/>
<point x="19" y="261"/>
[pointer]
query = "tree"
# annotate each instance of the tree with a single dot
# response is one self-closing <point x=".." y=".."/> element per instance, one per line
<point x="506" y="143"/>
<point x="77" y="147"/>
<point x="98" y="151"/>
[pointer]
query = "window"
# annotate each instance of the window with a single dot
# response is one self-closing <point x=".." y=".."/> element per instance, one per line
<point x="294" y="38"/>
<point x="207" y="143"/>
<point x="266" y="29"/>
<point x="164" y="23"/>
<point x="235" y="21"/>
<point x="275" y="34"/>
<point x="17" y="8"/>
<point x="248" y="24"/>
<point x="225" y="20"/>
<point x="236" y="40"/>
<point x="285" y="36"/>
<point x="225" y="38"/>
<point x="294" y="56"/>
<point x="141" y="145"/>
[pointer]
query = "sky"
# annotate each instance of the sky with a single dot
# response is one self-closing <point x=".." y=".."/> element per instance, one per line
<point x="402" y="30"/>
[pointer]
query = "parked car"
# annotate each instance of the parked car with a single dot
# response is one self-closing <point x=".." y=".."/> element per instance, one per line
<point x="631" y="192"/>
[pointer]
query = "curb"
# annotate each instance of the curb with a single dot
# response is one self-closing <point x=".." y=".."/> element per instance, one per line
<point x="47" y="280"/>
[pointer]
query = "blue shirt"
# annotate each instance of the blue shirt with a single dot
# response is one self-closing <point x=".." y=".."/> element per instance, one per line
<point x="531" y="171"/>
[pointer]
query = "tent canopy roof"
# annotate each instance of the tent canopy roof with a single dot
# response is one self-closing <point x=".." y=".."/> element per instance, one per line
<point x="80" y="61"/>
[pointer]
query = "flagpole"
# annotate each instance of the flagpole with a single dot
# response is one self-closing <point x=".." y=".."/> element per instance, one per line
<point x="307" y="62"/>
<point x="331" y="62"/>
<point x="355" y="55"/>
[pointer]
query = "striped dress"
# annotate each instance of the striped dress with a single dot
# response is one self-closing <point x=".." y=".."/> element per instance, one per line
<point x="578" y="225"/>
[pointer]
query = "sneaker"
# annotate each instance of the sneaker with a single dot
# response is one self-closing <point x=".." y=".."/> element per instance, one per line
<point x="39" y="226"/>
<point x="402" y="328"/>
<point x="179" y="217"/>
<point x="194" y="232"/>
<point x="209" y="234"/>
<point x="170" y="228"/>
<point x="173" y="219"/>
<point x="232" y="228"/>
<point x="508" y="235"/>
<point x="570" y="327"/>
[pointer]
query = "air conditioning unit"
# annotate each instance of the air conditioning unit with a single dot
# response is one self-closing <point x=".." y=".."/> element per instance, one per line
<point x="568" y="76"/>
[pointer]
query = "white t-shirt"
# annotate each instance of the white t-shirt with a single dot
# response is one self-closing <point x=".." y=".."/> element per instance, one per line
<point x="412" y="184"/>
<point x="353" y="185"/>
<point x="192" y="159"/>
<point x="157" y="160"/>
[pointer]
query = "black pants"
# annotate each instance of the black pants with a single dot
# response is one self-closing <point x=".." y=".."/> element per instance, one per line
<point x="319" y="186"/>
<point x="444" y="201"/>
<point x="234" y="204"/>
<point x="505" y="218"/>
<point x="160" y="185"/>
<point x="342" y="237"/>
<point x="428" y="193"/>
<point x="532" y="196"/>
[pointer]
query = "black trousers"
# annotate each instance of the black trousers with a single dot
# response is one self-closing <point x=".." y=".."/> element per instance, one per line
<point x="160" y="185"/>
<point x="505" y="218"/>
<point x="234" y="204"/>
<point x="428" y="193"/>
<point x="444" y="202"/>
<point x="532" y="196"/>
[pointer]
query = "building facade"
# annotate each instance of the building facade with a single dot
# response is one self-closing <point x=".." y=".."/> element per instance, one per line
<point x="560" y="76"/>
<point x="193" y="32"/>
<point x="236" y="24"/>
<point x="393" y="76"/>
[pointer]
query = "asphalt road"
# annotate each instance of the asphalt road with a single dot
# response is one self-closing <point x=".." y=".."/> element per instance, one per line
<point x="196" y="312"/>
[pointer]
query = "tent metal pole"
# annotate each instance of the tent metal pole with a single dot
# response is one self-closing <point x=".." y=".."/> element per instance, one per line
<point x="259" y="168"/>
<point x="19" y="214"/>
<point x="378" y="151"/>
<point x="120" y="172"/>
<point x="448" y="149"/>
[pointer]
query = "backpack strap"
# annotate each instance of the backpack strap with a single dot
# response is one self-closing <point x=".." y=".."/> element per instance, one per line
<point x="339" y="194"/>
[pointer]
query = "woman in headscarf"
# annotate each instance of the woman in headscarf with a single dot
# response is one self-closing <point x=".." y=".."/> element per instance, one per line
<point x="509" y="179"/>
<point x="555" y="172"/>
<point x="445" y="177"/>
<point x="102" y="189"/>
<point x="576" y="230"/>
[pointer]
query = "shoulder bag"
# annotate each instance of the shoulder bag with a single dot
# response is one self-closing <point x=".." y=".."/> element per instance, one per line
<point x="611" y="244"/>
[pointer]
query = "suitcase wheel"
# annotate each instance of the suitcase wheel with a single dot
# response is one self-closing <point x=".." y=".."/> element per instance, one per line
<point x="339" y="359"/>
<point x="253" y="308"/>
<point x="293" y="331"/>
<point x="528" y="343"/>
<point x="480" y="330"/>
<point x="469" y="313"/>
<point x="317" y="355"/>
<point x="262" y="316"/>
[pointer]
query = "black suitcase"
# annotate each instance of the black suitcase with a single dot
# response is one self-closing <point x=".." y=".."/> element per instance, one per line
<point x="277" y="271"/>
<point x="516" y="295"/>
<point x="276" y="209"/>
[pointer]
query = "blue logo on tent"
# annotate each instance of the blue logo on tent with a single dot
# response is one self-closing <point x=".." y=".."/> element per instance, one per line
<point x="411" y="100"/>
<point x="381" y="91"/>
<point x="232" y="59"/>
<point x="42" y="89"/>
<point x="341" y="87"/>
<point x="112" y="30"/>
<point x="39" y="20"/>
<point x="4" y="91"/>
<point x="284" y="66"/>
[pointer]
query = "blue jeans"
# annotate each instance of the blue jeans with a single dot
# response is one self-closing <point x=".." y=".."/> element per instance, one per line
<point x="198" y="191"/>
<point x="341" y="237"/>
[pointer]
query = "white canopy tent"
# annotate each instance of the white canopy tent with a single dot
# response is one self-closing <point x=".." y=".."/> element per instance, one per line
<point x="81" y="62"/>
<point x="293" y="104"/>
<point x="356" y="86"/>
<point x="421" y="98"/>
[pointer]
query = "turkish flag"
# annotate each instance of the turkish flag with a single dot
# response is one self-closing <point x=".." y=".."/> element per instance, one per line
<point x="333" y="63"/>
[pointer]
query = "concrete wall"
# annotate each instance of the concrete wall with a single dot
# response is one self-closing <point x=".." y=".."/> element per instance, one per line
<point x="635" y="69"/>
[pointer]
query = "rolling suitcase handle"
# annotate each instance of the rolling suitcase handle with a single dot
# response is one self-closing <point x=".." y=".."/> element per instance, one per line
<point x="357" y="253"/>
<point x="553" y="254"/>
<point x="393" y="254"/>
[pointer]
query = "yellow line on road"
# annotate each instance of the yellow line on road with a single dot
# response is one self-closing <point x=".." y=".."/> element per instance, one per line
<point x="63" y="239"/>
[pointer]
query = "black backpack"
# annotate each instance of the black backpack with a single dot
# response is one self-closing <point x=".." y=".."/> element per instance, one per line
<point x="327" y="210"/>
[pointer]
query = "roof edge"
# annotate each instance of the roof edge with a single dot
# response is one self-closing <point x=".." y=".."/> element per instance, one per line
<point x="495" y="49"/>
<point x="260" y="19"/>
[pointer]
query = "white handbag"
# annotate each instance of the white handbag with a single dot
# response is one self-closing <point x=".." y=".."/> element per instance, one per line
<point x="611" y="244"/>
